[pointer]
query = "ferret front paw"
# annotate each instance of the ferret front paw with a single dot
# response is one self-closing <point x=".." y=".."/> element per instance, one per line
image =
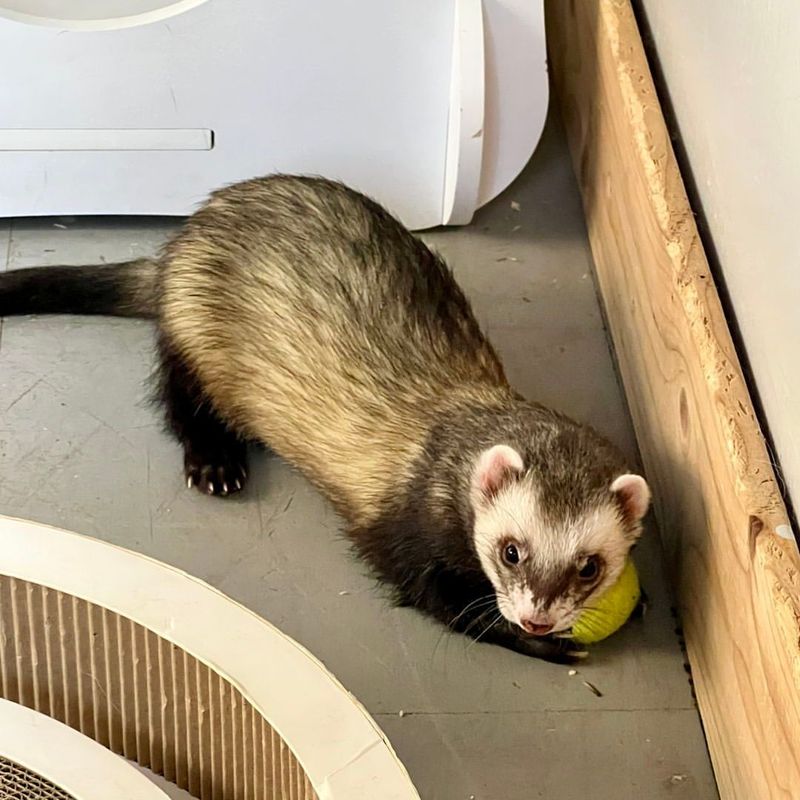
<point x="222" y="475"/>
<point x="557" y="651"/>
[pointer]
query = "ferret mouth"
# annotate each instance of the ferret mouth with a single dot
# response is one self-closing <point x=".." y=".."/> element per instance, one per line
<point x="562" y="631"/>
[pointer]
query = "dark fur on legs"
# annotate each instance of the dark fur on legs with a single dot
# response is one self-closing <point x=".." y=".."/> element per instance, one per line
<point x="214" y="457"/>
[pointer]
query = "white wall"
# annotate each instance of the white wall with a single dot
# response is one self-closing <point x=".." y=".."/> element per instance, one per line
<point x="732" y="69"/>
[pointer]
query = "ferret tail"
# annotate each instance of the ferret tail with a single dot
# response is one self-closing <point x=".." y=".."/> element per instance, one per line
<point x="126" y="289"/>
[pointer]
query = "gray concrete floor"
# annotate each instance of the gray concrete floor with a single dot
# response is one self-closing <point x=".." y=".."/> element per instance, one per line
<point x="80" y="448"/>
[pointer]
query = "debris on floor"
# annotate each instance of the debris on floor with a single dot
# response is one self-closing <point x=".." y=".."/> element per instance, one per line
<point x="593" y="689"/>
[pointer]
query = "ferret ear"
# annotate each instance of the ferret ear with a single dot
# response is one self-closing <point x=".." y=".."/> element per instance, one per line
<point x="633" y="496"/>
<point x="494" y="469"/>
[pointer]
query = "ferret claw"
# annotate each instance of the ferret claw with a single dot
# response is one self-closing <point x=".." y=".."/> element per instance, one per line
<point x="211" y="476"/>
<point x="580" y="655"/>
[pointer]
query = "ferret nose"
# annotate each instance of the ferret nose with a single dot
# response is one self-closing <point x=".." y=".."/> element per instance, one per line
<point x="536" y="628"/>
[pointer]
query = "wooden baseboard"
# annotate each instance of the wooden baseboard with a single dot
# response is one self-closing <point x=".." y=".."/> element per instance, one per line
<point x="731" y="551"/>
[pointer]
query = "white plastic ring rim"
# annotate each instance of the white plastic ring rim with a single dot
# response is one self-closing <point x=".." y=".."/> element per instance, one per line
<point x="71" y="761"/>
<point x="337" y="743"/>
<point x="95" y="15"/>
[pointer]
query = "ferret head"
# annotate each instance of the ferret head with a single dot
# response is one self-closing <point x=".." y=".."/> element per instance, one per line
<point x="551" y="540"/>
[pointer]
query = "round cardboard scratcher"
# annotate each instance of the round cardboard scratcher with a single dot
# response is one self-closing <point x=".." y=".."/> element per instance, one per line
<point x="163" y="669"/>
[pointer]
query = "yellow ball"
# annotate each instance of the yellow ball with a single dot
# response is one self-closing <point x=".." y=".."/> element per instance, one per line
<point x="611" y="610"/>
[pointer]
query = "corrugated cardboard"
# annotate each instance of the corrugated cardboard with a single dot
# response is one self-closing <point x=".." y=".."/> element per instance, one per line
<point x="165" y="670"/>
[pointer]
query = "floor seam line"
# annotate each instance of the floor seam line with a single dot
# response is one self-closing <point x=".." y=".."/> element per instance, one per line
<point x="509" y="713"/>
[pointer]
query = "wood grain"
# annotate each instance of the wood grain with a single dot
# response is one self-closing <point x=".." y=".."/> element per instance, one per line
<point x="731" y="552"/>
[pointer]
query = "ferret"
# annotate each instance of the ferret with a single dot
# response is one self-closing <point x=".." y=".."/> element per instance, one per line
<point x="295" y="312"/>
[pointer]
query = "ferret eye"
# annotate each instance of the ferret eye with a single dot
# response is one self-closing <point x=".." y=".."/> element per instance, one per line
<point x="511" y="554"/>
<point x="590" y="570"/>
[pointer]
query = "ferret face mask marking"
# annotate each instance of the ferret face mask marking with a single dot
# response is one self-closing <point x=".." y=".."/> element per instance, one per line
<point x="544" y="570"/>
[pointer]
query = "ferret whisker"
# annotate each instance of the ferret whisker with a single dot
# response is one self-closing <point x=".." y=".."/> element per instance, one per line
<point x="474" y="605"/>
<point x="489" y="607"/>
<point x="486" y="599"/>
<point x="485" y="630"/>
<point x="476" y="622"/>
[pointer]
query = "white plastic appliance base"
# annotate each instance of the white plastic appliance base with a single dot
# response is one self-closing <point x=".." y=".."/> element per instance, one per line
<point x="144" y="106"/>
